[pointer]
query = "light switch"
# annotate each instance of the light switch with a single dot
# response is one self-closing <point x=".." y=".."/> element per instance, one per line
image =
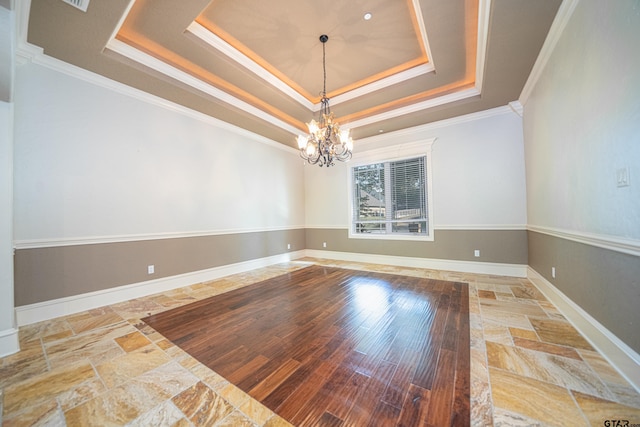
<point x="622" y="177"/>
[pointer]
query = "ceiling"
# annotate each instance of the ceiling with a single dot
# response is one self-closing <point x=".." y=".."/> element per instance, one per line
<point x="258" y="65"/>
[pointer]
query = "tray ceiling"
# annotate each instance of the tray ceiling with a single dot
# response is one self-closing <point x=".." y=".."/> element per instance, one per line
<point x="258" y="65"/>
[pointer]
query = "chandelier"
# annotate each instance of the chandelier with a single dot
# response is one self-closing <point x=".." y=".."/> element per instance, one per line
<point x="325" y="142"/>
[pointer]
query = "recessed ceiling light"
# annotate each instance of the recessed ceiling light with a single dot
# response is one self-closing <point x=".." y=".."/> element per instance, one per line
<point x="367" y="16"/>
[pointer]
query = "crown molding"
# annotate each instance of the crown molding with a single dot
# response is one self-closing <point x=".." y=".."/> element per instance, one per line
<point x="211" y="39"/>
<point x="517" y="107"/>
<point x="555" y="32"/>
<point x="483" y="36"/>
<point x="22" y="9"/>
<point x="392" y="137"/>
<point x="172" y="72"/>
<point x="149" y="61"/>
<point x="28" y="53"/>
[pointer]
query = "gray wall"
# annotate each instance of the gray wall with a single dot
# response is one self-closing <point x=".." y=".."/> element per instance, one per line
<point x="582" y="125"/>
<point x="44" y="274"/>
<point x="605" y="283"/>
<point x="496" y="246"/>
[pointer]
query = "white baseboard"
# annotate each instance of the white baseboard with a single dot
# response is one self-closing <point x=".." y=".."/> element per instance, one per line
<point x="46" y="310"/>
<point x="9" y="343"/>
<point x="619" y="354"/>
<point x="32" y="313"/>
<point x="512" y="270"/>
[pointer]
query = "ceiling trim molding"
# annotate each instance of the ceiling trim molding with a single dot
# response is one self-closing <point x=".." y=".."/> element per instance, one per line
<point x="565" y="11"/>
<point x="430" y="103"/>
<point x="26" y="53"/>
<point x="34" y="54"/>
<point x="22" y="9"/>
<point x="124" y="16"/>
<point x="517" y="107"/>
<point x="484" y="15"/>
<point x="142" y="58"/>
<point x="381" y="84"/>
<point x="162" y="67"/>
<point x="393" y="137"/>
<point x="29" y="53"/>
<point x="417" y="11"/>
<point x="212" y="40"/>
<point x="206" y="36"/>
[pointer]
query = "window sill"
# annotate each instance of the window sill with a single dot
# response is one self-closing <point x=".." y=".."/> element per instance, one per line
<point x="406" y="237"/>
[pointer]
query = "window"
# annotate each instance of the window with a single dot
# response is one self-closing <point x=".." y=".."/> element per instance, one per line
<point x="390" y="198"/>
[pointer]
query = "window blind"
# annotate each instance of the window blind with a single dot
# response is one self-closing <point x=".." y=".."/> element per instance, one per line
<point x="390" y="197"/>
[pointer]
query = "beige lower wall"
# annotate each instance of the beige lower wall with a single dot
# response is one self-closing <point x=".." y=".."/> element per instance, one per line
<point x="496" y="246"/>
<point x="44" y="274"/>
<point x="604" y="283"/>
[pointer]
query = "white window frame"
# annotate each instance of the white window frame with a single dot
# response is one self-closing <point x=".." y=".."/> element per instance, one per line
<point x="392" y="154"/>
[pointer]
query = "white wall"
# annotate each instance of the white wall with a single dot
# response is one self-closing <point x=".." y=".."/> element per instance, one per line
<point x="91" y="162"/>
<point x="8" y="333"/>
<point x="478" y="174"/>
<point x="8" y="336"/>
<point x="582" y="124"/>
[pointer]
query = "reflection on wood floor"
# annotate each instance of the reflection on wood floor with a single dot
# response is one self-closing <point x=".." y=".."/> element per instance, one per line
<point x="327" y="346"/>
<point x="529" y="366"/>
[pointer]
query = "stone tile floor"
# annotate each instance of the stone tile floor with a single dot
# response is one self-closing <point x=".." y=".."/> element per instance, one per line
<point x="529" y="366"/>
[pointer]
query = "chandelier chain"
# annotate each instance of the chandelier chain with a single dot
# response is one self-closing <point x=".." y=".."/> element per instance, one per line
<point x="324" y="70"/>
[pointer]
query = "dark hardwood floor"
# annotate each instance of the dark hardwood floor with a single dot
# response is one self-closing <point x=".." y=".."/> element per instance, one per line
<point x="334" y="347"/>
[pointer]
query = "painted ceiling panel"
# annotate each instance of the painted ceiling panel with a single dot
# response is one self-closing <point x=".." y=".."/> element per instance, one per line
<point x="258" y="65"/>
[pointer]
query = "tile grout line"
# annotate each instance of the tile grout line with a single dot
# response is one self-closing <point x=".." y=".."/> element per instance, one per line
<point x="573" y="397"/>
<point x="486" y="361"/>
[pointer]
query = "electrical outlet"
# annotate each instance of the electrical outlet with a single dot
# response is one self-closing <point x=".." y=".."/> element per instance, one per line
<point x="151" y="269"/>
<point x="288" y="245"/>
<point x="476" y="253"/>
<point x="324" y="244"/>
<point x="553" y="272"/>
